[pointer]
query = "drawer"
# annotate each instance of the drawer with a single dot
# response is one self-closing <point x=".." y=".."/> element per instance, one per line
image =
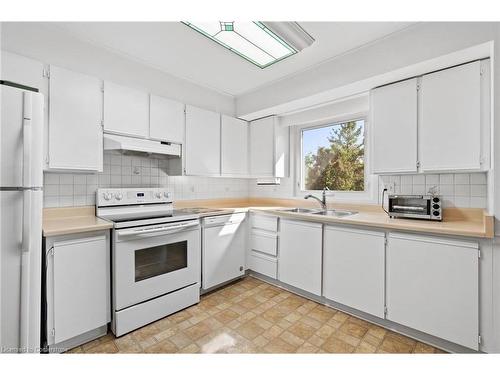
<point x="264" y="264"/>
<point x="265" y="222"/>
<point x="265" y="242"/>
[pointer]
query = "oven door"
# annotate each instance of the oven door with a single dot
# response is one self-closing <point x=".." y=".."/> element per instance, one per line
<point x="154" y="260"/>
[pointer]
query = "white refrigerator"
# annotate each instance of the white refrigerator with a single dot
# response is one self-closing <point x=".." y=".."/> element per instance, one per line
<point x="21" y="181"/>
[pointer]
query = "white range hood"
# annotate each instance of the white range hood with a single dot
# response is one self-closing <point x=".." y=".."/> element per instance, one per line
<point x="137" y="145"/>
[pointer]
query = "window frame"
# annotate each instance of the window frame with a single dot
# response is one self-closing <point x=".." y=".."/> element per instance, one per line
<point x="368" y="195"/>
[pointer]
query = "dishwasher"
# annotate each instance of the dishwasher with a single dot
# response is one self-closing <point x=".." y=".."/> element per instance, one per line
<point x="223" y="249"/>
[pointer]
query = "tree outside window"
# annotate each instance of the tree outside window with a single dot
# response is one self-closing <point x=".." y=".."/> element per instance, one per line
<point x="333" y="157"/>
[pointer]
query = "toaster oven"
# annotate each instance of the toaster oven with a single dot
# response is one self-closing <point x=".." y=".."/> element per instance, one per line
<point x="426" y="207"/>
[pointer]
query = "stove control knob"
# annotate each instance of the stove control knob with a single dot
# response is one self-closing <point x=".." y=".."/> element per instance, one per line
<point x="107" y="196"/>
<point x="119" y="196"/>
<point x="166" y="194"/>
<point x="158" y="194"/>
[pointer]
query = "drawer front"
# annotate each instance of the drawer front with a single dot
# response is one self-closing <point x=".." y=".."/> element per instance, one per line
<point x="264" y="265"/>
<point x="265" y="222"/>
<point x="264" y="242"/>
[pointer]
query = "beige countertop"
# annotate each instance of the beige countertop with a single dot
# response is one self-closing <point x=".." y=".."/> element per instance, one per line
<point x="468" y="222"/>
<point x="70" y="220"/>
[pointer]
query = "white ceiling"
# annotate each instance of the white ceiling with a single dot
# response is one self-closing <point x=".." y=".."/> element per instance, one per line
<point x="176" y="49"/>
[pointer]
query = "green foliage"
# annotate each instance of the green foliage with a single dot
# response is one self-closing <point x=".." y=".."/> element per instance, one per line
<point x="339" y="166"/>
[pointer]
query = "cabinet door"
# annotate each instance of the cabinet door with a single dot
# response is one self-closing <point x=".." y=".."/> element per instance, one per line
<point x="262" y="147"/>
<point x="223" y="253"/>
<point x="234" y="147"/>
<point x="354" y="268"/>
<point x="432" y="286"/>
<point x="299" y="262"/>
<point x="450" y="128"/>
<point x="166" y="122"/>
<point x="394" y="124"/>
<point x="75" y="114"/>
<point x="81" y="293"/>
<point x="126" y="111"/>
<point x="202" y="146"/>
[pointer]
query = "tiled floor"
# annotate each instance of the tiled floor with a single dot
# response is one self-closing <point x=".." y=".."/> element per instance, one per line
<point x="251" y="316"/>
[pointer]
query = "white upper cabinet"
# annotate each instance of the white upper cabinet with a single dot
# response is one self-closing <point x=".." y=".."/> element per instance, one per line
<point x="202" y="147"/>
<point x="432" y="286"/>
<point x="450" y="125"/>
<point x="269" y="148"/>
<point x="75" y="114"/>
<point x="394" y="124"/>
<point x="166" y="121"/>
<point x="126" y="111"/>
<point x="234" y="146"/>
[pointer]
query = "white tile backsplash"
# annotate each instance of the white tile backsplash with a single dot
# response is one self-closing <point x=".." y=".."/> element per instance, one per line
<point x="457" y="190"/>
<point x="78" y="189"/>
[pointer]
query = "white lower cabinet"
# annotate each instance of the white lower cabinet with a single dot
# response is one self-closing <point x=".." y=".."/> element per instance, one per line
<point x="78" y="287"/>
<point x="263" y="249"/>
<point x="354" y="269"/>
<point x="432" y="286"/>
<point x="300" y="248"/>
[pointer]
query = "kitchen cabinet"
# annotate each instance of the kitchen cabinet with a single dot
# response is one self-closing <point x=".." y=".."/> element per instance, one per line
<point x="269" y="148"/>
<point x="75" y="115"/>
<point x="223" y="249"/>
<point x="450" y="124"/>
<point x="166" y="120"/>
<point x="77" y="287"/>
<point x="126" y="110"/>
<point x="202" y="147"/>
<point x="263" y="249"/>
<point x="300" y="258"/>
<point x="439" y="122"/>
<point x="234" y="146"/>
<point x="394" y="127"/>
<point x="354" y="268"/>
<point x="432" y="286"/>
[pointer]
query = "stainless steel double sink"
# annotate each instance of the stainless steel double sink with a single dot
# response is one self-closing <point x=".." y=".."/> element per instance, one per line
<point x="331" y="213"/>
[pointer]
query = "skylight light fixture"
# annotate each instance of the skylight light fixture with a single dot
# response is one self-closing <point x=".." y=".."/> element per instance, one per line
<point x="254" y="41"/>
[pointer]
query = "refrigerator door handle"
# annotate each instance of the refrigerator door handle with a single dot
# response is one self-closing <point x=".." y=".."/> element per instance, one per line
<point x="27" y="141"/>
<point x="25" y="270"/>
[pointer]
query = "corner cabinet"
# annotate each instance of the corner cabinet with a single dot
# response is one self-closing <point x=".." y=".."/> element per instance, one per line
<point x="126" y="110"/>
<point x="300" y="255"/>
<point x="269" y="148"/>
<point x="166" y="120"/>
<point x="234" y="147"/>
<point x="75" y="115"/>
<point x="394" y="121"/>
<point x="432" y="286"/>
<point x="202" y="148"/>
<point x="354" y="268"/>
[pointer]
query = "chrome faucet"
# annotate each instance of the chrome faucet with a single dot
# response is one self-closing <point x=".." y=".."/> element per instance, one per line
<point x="321" y="201"/>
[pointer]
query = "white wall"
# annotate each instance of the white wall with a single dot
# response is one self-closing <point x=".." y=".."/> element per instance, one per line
<point x="419" y="43"/>
<point x="53" y="46"/>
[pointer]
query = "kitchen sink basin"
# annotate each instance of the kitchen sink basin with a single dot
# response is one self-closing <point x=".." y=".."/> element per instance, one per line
<point x="335" y="213"/>
<point x="302" y="210"/>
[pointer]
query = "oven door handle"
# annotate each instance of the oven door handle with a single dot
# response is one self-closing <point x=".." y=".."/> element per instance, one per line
<point x="164" y="229"/>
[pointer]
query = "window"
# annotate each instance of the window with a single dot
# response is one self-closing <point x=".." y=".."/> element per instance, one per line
<point x="333" y="156"/>
<point x="251" y="40"/>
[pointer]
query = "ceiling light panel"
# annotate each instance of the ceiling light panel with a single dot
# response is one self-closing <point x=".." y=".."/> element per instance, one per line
<point x="251" y="40"/>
